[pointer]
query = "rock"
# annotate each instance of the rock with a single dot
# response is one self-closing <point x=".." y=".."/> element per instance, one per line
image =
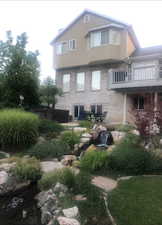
<point x="7" y="166"/>
<point x="60" y="188"/>
<point x="46" y="217"/>
<point x="67" y="221"/>
<point x="91" y="148"/>
<point x="71" y="212"/>
<point x="4" y="155"/>
<point x="117" y="135"/>
<point x="136" y="132"/>
<point x="76" y="129"/>
<point x="80" y="198"/>
<point x="48" y="166"/>
<point x="160" y="142"/>
<point x="41" y="140"/>
<point x="3" y="177"/>
<point x="68" y="160"/>
<point x="86" y="135"/>
<point x="44" y="196"/>
<point x="84" y="140"/>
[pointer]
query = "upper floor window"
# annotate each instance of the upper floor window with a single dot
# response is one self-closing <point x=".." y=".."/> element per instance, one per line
<point x="96" y="80"/>
<point x="66" y="82"/>
<point x="80" y="81"/>
<point x="114" y="37"/>
<point x="86" y="18"/>
<point x="72" y="44"/>
<point x="98" y="38"/>
<point x="61" y="48"/>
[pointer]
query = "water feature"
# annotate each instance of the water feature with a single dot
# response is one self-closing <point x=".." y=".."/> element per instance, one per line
<point x="20" y="208"/>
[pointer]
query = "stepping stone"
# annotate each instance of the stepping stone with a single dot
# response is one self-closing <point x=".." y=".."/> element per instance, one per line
<point x="48" y="166"/>
<point x="105" y="183"/>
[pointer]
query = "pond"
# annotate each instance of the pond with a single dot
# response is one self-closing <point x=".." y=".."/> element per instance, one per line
<point x="20" y="208"/>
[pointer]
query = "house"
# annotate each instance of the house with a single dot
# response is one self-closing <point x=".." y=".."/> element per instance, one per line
<point x="101" y="68"/>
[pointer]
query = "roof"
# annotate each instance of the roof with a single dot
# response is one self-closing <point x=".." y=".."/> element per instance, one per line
<point x="106" y="26"/>
<point x="130" y="29"/>
<point x="147" y="51"/>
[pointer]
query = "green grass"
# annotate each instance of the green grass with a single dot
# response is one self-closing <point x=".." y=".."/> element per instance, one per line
<point x="137" y="201"/>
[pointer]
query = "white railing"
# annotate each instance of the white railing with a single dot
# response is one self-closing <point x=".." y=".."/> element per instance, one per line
<point x="124" y="76"/>
<point x="119" y="76"/>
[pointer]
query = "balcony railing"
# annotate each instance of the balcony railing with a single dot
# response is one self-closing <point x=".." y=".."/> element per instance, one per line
<point x="125" y="79"/>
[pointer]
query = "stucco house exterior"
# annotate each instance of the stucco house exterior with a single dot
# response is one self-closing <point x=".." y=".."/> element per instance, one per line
<point x="101" y="68"/>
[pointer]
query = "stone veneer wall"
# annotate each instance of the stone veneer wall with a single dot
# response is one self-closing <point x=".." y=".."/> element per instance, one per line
<point x="112" y="101"/>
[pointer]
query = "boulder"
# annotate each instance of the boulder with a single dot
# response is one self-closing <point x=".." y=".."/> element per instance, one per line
<point x="79" y="129"/>
<point x="46" y="217"/>
<point x="117" y="135"/>
<point x="3" y="177"/>
<point x="7" y="166"/>
<point x="68" y="160"/>
<point x="80" y="198"/>
<point x="86" y="135"/>
<point x="71" y="212"/>
<point x="136" y="132"/>
<point x="40" y="140"/>
<point x="4" y="155"/>
<point x="60" y="188"/>
<point x="84" y="139"/>
<point x="67" y="221"/>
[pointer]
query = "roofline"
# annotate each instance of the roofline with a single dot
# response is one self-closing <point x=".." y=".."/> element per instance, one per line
<point x="80" y="15"/>
<point x="155" y="55"/>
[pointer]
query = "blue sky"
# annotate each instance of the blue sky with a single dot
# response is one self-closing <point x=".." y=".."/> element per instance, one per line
<point x="42" y="20"/>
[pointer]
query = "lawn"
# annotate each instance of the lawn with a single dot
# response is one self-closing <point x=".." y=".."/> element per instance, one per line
<point x="137" y="201"/>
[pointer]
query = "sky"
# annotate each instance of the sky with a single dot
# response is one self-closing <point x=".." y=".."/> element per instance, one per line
<point x="41" y="20"/>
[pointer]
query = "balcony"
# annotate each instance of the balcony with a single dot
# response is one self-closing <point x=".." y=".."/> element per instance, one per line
<point x="137" y="79"/>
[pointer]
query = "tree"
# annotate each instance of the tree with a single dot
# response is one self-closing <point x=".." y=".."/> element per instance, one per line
<point x="19" y="72"/>
<point x="49" y="92"/>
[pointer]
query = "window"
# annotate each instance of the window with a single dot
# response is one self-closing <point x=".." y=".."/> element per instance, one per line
<point x="72" y="44"/>
<point x="61" y="48"/>
<point x="114" y="37"/>
<point x="96" y="109"/>
<point x="66" y="82"/>
<point x="139" y="102"/>
<point x="144" y="70"/>
<point x="96" y="77"/>
<point x="104" y="37"/>
<point x="79" y="111"/>
<point x="80" y="81"/>
<point x="99" y="38"/>
<point x="86" y="18"/>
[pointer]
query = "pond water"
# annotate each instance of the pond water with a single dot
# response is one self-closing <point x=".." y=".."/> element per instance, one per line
<point x="20" y="208"/>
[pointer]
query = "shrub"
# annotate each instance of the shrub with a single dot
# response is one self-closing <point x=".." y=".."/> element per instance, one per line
<point x="94" y="160"/>
<point x="18" y="128"/>
<point x="27" y="169"/>
<point x="129" y="157"/>
<point x="85" y="123"/>
<point x="49" y="126"/>
<point x="65" y="176"/>
<point x="49" y="149"/>
<point x="71" y="138"/>
<point x="125" y="128"/>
